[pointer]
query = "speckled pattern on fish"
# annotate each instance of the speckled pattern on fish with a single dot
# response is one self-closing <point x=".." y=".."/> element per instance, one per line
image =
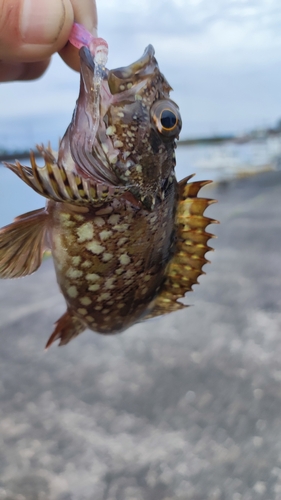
<point x="127" y="239"/>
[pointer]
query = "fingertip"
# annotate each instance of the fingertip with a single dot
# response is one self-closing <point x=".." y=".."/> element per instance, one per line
<point x="34" y="29"/>
<point x="42" y="22"/>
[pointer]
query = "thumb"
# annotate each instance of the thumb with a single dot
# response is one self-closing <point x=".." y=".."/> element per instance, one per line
<point x="32" y="30"/>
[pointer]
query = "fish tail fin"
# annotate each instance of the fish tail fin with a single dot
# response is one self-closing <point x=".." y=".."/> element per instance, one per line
<point x="22" y="244"/>
<point x="67" y="328"/>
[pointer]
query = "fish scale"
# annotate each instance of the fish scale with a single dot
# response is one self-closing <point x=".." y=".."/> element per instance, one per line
<point x="113" y="246"/>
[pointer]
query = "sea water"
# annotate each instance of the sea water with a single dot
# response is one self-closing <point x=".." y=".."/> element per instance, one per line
<point x="218" y="162"/>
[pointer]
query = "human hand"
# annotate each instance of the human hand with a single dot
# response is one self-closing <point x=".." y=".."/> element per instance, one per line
<point x="32" y="30"/>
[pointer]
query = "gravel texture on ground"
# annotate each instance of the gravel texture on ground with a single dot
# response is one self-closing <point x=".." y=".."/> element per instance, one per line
<point x="184" y="407"/>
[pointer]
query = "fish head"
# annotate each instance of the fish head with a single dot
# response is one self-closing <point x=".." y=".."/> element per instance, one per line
<point x="123" y="133"/>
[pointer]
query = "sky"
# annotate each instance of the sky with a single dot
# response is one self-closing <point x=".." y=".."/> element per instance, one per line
<point x="222" y="58"/>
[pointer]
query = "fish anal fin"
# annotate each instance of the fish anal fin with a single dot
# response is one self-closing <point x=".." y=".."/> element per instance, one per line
<point x="67" y="328"/>
<point x="22" y="244"/>
<point x="187" y="263"/>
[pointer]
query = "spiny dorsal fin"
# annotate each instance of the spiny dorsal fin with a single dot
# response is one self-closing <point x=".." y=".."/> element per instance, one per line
<point x="67" y="327"/>
<point x="22" y="244"/>
<point x="191" y="245"/>
<point x="61" y="185"/>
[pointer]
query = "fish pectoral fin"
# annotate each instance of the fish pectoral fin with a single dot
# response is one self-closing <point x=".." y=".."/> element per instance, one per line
<point x="22" y="244"/>
<point x="67" y="328"/>
<point x="191" y="245"/>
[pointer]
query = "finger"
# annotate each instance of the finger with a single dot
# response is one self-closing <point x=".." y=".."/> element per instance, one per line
<point x="22" y="71"/>
<point x="85" y="13"/>
<point x="32" y="30"/>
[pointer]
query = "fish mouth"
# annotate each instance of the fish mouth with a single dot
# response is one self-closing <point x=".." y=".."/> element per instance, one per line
<point x="90" y="147"/>
<point x="136" y="71"/>
<point x="93" y="104"/>
<point x="133" y="73"/>
<point x="87" y="66"/>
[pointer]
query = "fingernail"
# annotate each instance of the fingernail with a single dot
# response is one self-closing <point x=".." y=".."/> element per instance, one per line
<point x="42" y="21"/>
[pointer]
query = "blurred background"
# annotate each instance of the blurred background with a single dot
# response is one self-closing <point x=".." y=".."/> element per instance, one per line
<point x="222" y="59"/>
<point x="188" y="406"/>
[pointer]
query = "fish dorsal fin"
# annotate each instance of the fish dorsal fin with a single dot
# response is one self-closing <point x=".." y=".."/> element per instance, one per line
<point x="22" y="244"/>
<point x="57" y="183"/>
<point x="186" y="265"/>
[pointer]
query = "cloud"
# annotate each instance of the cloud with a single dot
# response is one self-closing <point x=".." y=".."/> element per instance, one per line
<point x="222" y="57"/>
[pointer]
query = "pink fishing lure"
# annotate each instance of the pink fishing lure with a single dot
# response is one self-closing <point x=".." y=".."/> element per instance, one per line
<point x="80" y="37"/>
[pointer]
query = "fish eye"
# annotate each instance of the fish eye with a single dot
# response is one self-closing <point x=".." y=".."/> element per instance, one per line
<point x="168" y="119"/>
<point x="165" y="115"/>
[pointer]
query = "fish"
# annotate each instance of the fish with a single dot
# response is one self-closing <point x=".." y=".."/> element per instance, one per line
<point x="127" y="239"/>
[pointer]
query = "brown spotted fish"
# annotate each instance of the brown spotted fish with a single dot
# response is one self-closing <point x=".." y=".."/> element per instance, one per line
<point x="127" y="239"/>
